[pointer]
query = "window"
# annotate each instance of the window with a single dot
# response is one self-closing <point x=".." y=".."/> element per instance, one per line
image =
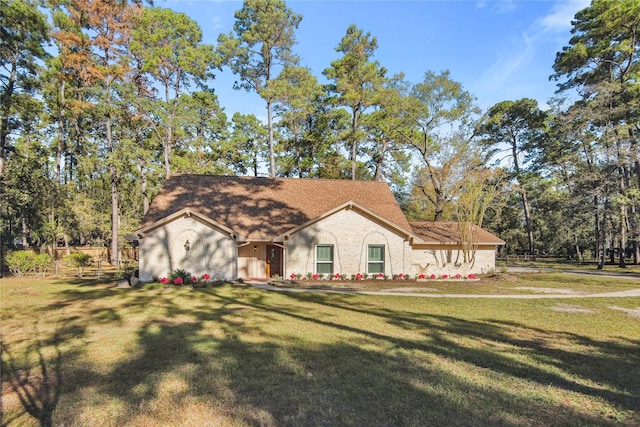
<point x="376" y="259"/>
<point x="324" y="259"/>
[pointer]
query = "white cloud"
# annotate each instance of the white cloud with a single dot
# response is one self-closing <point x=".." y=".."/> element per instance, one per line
<point x="521" y="57"/>
<point x="560" y="16"/>
<point x="216" y="23"/>
<point x="508" y="64"/>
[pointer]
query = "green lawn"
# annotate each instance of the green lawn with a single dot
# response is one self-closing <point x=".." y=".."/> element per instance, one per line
<point x="234" y="355"/>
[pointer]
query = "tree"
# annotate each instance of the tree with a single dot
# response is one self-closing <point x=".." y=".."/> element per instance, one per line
<point x="169" y="46"/>
<point x="249" y="136"/>
<point x="357" y="83"/>
<point x="479" y="189"/>
<point x="516" y="125"/>
<point x="600" y="64"/>
<point x="435" y="117"/>
<point x="206" y="146"/>
<point x="263" y="42"/>
<point x="299" y="106"/>
<point x="23" y="34"/>
<point x="389" y="159"/>
<point x="109" y="26"/>
<point x="437" y="183"/>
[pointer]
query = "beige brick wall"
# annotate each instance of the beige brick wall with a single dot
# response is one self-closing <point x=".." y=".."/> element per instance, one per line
<point x="440" y="259"/>
<point x="350" y="232"/>
<point x="162" y="250"/>
<point x="213" y="252"/>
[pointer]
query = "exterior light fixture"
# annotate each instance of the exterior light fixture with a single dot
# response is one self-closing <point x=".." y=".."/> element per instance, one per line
<point x="187" y="246"/>
<point x="255" y="248"/>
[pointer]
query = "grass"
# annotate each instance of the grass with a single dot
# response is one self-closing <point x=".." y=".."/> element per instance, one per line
<point x="560" y="264"/>
<point x="235" y="355"/>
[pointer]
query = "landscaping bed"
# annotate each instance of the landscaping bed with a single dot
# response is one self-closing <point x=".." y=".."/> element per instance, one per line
<point x="494" y="283"/>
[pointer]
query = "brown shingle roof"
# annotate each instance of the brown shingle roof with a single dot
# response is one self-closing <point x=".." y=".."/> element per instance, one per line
<point x="449" y="233"/>
<point x="262" y="208"/>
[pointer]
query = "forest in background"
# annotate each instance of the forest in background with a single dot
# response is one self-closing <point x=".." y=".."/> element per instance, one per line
<point x="102" y="99"/>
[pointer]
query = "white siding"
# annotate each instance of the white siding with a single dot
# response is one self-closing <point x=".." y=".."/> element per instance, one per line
<point x="350" y="232"/>
<point x="162" y="250"/>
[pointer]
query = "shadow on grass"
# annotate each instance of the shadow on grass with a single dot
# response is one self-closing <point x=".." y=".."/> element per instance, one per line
<point x="615" y="365"/>
<point x="219" y="349"/>
<point x="34" y="378"/>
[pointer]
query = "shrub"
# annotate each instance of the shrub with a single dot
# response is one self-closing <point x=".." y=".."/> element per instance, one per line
<point x="79" y="261"/>
<point x="179" y="277"/>
<point x="20" y="262"/>
<point x="41" y="263"/>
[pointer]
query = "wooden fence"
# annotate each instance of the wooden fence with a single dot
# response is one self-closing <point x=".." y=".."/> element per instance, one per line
<point x="100" y="261"/>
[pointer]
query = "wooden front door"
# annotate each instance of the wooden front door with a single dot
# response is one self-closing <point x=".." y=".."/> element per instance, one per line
<point x="274" y="261"/>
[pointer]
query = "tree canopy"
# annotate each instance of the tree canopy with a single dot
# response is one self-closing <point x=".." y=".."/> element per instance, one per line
<point x="101" y="100"/>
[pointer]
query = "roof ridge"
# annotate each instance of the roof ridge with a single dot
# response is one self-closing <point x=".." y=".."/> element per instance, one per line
<point x="281" y="178"/>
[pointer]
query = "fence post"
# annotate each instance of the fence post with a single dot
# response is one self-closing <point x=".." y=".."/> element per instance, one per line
<point x="100" y="269"/>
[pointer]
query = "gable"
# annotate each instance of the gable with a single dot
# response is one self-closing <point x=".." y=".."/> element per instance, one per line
<point x="183" y="213"/>
<point x="362" y="215"/>
<point x="258" y="208"/>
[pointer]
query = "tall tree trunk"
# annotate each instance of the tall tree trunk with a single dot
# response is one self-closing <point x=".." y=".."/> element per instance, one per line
<point x="378" y="161"/>
<point x="272" y="156"/>
<point x="60" y="145"/>
<point x="143" y="186"/>
<point x="439" y="205"/>
<point x="600" y="247"/>
<point x="525" y="202"/>
<point x="354" y="142"/>
<point x="115" y="220"/>
<point x="623" y="236"/>
<point x="167" y="151"/>
<point x="527" y="223"/>
<point x="25" y="242"/>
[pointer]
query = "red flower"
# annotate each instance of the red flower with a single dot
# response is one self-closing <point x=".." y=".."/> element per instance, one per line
<point x="472" y="276"/>
<point x="178" y="281"/>
<point x="433" y="276"/>
<point x="194" y="279"/>
<point x="380" y="275"/>
<point x="315" y="276"/>
<point x="421" y="276"/>
<point x="358" y="276"/>
<point x="458" y="276"/>
<point x="292" y="275"/>
<point x="164" y="280"/>
<point x="205" y="277"/>
<point x="336" y="276"/>
<point x="444" y="276"/>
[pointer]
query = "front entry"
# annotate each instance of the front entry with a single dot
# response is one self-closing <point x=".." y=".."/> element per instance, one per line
<point x="274" y="261"/>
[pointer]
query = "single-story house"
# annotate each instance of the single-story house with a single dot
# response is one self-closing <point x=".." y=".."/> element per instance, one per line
<point x="253" y="227"/>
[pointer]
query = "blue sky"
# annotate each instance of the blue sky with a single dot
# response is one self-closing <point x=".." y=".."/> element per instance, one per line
<point x="497" y="49"/>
